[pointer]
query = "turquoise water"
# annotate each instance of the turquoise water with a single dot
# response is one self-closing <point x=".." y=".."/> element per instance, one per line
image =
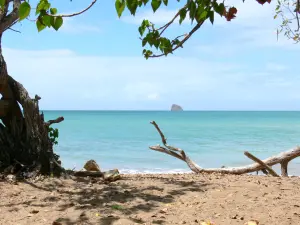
<point x="120" y="139"/>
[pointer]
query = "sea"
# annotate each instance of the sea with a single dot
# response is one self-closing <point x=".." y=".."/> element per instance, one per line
<point x="121" y="139"/>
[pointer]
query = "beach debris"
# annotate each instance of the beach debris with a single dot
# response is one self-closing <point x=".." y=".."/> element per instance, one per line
<point x="252" y="222"/>
<point x="234" y="216"/>
<point x="260" y="165"/>
<point x="34" y="211"/>
<point x="111" y="175"/>
<point x="207" y="223"/>
<point x="91" y="165"/>
<point x="11" y="179"/>
<point x="108" y="176"/>
<point x="163" y="210"/>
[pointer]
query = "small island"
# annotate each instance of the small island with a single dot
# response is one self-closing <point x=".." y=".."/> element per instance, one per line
<point x="176" y="108"/>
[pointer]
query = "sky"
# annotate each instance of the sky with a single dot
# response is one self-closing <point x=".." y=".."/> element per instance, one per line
<point x="95" y="62"/>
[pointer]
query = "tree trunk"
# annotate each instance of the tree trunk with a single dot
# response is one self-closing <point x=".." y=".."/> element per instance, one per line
<point x="24" y="138"/>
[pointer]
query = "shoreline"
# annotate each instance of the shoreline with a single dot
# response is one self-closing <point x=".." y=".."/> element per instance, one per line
<point x="153" y="199"/>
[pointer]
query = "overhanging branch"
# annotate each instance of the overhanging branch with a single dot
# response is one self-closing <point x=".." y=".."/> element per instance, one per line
<point x="180" y="44"/>
<point x="77" y="13"/>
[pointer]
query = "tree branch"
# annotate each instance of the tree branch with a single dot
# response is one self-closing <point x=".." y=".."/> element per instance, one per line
<point x="297" y="17"/>
<point x="180" y="44"/>
<point x="11" y="18"/>
<point x="5" y="9"/>
<point x="257" y="160"/>
<point x="164" y="27"/>
<point x="173" y="151"/>
<point x="58" y="120"/>
<point x="77" y="13"/>
<point x="17" y="31"/>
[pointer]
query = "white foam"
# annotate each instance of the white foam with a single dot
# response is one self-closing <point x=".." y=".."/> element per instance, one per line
<point x="154" y="171"/>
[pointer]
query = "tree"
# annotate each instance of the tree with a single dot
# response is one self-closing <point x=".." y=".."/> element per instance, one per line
<point x="26" y="139"/>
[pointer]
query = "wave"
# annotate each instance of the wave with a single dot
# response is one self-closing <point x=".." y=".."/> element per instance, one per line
<point x="154" y="171"/>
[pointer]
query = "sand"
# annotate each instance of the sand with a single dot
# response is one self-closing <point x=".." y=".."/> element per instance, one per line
<point x="153" y="199"/>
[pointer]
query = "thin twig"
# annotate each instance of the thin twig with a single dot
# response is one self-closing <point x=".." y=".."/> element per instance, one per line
<point x="183" y="40"/>
<point x="77" y="13"/>
<point x="164" y="27"/>
<point x="163" y="139"/>
<point x="14" y="30"/>
<point x="297" y="10"/>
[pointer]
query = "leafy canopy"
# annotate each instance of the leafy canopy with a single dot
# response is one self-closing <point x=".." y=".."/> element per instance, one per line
<point x="152" y="37"/>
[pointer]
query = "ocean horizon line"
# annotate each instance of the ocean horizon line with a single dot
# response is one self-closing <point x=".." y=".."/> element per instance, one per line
<point x="154" y="110"/>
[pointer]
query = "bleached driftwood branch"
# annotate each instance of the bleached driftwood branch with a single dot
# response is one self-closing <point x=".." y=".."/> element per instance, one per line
<point x="266" y="168"/>
<point x="282" y="158"/>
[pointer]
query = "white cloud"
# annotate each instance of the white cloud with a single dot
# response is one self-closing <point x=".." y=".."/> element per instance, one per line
<point x="66" y="80"/>
<point x="72" y="25"/>
<point x="250" y="13"/>
<point x="153" y="96"/>
<point x="275" y="67"/>
<point x="254" y="28"/>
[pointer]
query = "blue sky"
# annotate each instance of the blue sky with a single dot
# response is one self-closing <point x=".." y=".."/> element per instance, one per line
<point x="95" y="62"/>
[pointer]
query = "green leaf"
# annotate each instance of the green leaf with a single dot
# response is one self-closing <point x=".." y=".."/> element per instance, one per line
<point x="132" y="6"/>
<point x="2" y="3"/>
<point x="145" y="2"/>
<point x="211" y="16"/>
<point x="144" y="42"/>
<point x="156" y="43"/>
<point x="120" y="6"/>
<point x="57" y="22"/>
<point x="53" y="11"/>
<point x="165" y="2"/>
<point x="203" y="15"/>
<point x="40" y="26"/>
<point x="182" y="15"/>
<point x="46" y="20"/>
<point x="220" y="9"/>
<point x="192" y="7"/>
<point x="142" y="30"/>
<point x="24" y="10"/>
<point x="155" y="4"/>
<point x="147" y="53"/>
<point x="42" y="5"/>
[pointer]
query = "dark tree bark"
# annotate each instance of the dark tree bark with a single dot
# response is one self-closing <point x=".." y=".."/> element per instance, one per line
<point x="24" y="135"/>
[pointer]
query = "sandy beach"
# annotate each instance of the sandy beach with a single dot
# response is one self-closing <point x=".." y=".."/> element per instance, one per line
<point x="153" y="199"/>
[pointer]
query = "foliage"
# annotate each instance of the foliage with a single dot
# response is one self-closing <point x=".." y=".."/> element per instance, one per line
<point x="53" y="135"/>
<point x="46" y="15"/>
<point x="153" y="38"/>
<point x="197" y="11"/>
<point x="289" y="11"/>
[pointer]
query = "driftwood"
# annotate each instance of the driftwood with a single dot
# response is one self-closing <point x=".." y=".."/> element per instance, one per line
<point x="283" y="158"/>
<point x="110" y="175"/>
<point x="266" y="167"/>
<point x="88" y="174"/>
